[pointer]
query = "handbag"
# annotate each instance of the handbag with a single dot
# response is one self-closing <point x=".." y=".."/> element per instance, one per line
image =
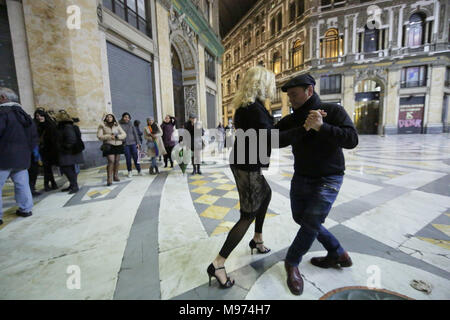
<point x="105" y="147"/>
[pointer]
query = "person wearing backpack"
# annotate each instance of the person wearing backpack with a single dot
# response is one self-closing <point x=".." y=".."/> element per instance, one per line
<point x="70" y="147"/>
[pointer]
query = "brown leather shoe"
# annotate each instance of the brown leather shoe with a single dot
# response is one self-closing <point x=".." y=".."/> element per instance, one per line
<point x="294" y="279"/>
<point x="343" y="261"/>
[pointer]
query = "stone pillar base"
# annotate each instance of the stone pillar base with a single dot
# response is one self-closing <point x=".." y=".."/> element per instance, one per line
<point x="433" y="128"/>
<point x="389" y="130"/>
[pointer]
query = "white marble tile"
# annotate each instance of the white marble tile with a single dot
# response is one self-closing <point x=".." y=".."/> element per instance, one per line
<point x="179" y="222"/>
<point x="393" y="276"/>
<point x="95" y="232"/>
<point x="428" y="252"/>
<point x="353" y="189"/>
<point x="415" y="179"/>
<point x="393" y="222"/>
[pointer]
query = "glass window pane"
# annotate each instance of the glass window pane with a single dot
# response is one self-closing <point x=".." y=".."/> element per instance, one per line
<point x="132" y="18"/>
<point x="131" y="4"/>
<point x="120" y="9"/>
<point x="142" y="25"/>
<point x="108" y="4"/>
<point x="141" y="8"/>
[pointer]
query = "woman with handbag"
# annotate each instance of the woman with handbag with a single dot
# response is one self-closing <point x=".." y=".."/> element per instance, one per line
<point x="112" y="135"/>
<point x="155" y="145"/>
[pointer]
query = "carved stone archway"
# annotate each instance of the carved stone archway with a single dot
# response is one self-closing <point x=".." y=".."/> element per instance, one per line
<point x="184" y="42"/>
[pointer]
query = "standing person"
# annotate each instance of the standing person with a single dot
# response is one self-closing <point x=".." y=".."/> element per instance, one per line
<point x="155" y="145"/>
<point x="33" y="170"/>
<point x="254" y="191"/>
<point x="196" y="131"/>
<point x="168" y="129"/>
<point x="228" y="136"/>
<point x="112" y="135"/>
<point x="70" y="148"/>
<point x="48" y="134"/>
<point x="136" y="124"/>
<point x="318" y="174"/>
<point x="221" y="137"/>
<point x="131" y="144"/>
<point x="18" y="137"/>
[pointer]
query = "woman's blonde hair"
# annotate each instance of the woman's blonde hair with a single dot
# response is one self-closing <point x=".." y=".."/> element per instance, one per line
<point x="258" y="83"/>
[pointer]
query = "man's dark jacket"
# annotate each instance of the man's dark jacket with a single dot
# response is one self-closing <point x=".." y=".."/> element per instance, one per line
<point x="18" y="137"/>
<point x="319" y="153"/>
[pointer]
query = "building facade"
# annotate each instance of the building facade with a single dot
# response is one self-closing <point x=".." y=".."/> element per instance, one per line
<point x="91" y="57"/>
<point x="386" y="62"/>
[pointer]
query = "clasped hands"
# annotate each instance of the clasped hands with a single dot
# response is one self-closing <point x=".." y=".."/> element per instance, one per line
<point x="314" y="120"/>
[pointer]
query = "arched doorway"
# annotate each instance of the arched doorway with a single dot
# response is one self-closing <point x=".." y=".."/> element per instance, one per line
<point x="368" y="107"/>
<point x="178" y="90"/>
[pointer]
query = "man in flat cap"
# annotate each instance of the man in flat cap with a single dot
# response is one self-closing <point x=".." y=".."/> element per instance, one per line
<point x="318" y="174"/>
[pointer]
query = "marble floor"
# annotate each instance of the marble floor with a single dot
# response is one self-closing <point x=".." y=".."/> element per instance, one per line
<point x="152" y="237"/>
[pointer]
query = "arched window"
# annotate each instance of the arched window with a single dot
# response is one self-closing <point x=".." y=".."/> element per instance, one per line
<point x="228" y="61"/>
<point x="331" y="44"/>
<point x="297" y="55"/>
<point x="276" y="63"/>
<point x="416" y="30"/>
<point x="229" y="86"/>
<point x="237" y="82"/>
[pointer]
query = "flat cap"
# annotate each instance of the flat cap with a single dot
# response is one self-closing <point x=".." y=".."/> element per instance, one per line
<point x="301" y="80"/>
<point x="192" y="116"/>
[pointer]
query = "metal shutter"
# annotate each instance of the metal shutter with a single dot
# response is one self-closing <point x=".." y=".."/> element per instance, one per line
<point x="131" y="81"/>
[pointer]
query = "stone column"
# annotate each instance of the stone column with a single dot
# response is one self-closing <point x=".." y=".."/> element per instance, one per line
<point x="349" y="94"/>
<point x="21" y="58"/>
<point x="165" y="60"/>
<point x="433" y="110"/>
<point x="66" y="63"/>
<point x="392" y="101"/>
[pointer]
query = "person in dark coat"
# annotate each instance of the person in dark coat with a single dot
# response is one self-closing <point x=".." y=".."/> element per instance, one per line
<point x="48" y="138"/>
<point x="70" y="156"/>
<point x="251" y="119"/>
<point x="318" y="174"/>
<point x="196" y="132"/>
<point x="18" y="138"/>
<point x="168" y="129"/>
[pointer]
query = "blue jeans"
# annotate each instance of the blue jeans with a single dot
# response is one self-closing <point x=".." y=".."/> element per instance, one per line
<point x="22" y="191"/>
<point x="131" y="151"/>
<point x="311" y="201"/>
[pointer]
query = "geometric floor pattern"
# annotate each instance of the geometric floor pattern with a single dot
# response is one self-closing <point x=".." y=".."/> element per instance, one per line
<point x="216" y="200"/>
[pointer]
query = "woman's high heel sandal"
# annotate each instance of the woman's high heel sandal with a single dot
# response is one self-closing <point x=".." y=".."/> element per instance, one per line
<point x="212" y="273"/>
<point x="253" y="245"/>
